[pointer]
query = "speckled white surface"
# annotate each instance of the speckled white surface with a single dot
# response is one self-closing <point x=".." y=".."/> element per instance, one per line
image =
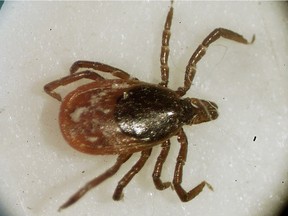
<point x="39" y="42"/>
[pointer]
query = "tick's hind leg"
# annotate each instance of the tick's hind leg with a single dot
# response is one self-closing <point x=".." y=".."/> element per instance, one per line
<point x="159" y="165"/>
<point x="165" y="48"/>
<point x="99" y="67"/>
<point x="93" y="183"/>
<point x="201" y="50"/>
<point x="130" y="174"/>
<point x="177" y="180"/>
<point x="50" y="87"/>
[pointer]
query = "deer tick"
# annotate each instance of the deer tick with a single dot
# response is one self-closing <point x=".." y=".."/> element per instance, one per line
<point x="122" y="115"/>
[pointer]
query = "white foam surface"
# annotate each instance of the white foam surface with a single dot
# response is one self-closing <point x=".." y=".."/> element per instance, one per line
<point x="40" y="40"/>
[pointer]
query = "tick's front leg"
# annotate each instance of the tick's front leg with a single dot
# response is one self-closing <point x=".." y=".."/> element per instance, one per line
<point x="177" y="180"/>
<point x="201" y="51"/>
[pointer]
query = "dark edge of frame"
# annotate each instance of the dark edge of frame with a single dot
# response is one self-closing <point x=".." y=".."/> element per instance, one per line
<point x="1" y="3"/>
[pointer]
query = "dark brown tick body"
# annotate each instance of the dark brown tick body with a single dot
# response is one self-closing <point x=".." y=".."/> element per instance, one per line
<point x="124" y="115"/>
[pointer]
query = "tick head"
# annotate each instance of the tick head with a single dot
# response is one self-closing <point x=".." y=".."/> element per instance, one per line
<point x="204" y="111"/>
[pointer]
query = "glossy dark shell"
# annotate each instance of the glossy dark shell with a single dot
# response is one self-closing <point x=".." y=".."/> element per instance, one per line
<point x="150" y="113"/>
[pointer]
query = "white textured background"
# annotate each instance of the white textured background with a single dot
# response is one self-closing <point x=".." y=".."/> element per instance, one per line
<point x="40" y="40"/>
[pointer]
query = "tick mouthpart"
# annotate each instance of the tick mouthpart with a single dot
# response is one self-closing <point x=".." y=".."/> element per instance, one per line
<point x="204" y="111"/>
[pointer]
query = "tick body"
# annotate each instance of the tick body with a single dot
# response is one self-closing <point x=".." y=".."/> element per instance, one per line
<point x="123" y="115"/>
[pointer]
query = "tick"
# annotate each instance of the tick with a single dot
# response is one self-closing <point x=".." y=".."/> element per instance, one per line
<point x="123" y="115"/>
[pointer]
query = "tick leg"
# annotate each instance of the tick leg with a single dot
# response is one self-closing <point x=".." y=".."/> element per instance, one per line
<point x="165" y="48"/>
<point x="49" y="88"/>
<point x="99" y="67"/>
<point x="158" y="167"/>
<point x="93" y="183"/>
<point x="201" y="50"/>
<point x="130" y="174"/>
<point x="177" y="180"/>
